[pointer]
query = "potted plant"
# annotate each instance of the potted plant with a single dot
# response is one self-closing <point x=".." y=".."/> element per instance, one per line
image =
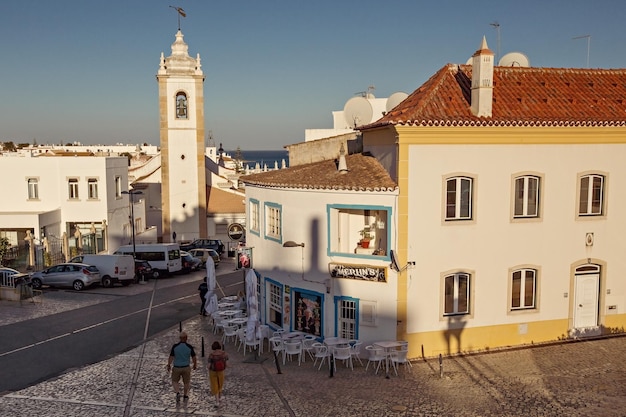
<point x="366" y="236"/>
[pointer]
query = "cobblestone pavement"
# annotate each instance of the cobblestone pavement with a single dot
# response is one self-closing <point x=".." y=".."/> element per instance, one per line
<point x="582" y="378"/>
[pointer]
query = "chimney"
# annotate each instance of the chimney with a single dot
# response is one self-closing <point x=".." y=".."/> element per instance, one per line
<point x="482" y="81"/>
<point x="342" y="167"/>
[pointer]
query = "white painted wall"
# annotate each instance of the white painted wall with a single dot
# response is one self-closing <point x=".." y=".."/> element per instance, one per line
<point x="492" y="244"/>
<point x="304" y="219"/>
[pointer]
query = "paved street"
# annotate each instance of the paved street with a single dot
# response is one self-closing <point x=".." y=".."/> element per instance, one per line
<point x="567" y="379"/>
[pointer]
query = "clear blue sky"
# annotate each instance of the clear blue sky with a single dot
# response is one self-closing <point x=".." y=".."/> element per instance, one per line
<point x="80" y="70"/>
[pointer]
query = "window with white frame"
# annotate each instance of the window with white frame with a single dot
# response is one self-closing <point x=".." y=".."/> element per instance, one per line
<point x="33" y="188"/>
<point x="273" y="221"/>
<point x="356" y="230"/>
<point x="459" y="194"/>
<point x="591" y="191"/>
<point x="523" y="289"/>
<point x="347" y="317"/>
<point x="456" y="294"/>
<point x="72" y="184"/>
<point x="254" y="216"/>
<point x="275" y="304"/>
<point x="526" y="202"/>
<point x="118" y="187"/>
<point x="92" y="188"/>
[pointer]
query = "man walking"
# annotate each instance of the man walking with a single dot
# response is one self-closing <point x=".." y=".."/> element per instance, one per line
<point x="180" y="356"/>
<point x="203" y="289"/>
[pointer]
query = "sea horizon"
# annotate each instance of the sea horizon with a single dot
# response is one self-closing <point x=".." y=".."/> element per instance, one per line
<point x="266" y="157"/>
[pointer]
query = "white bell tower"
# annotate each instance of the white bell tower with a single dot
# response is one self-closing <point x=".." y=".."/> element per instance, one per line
<point x="181" y="120"/>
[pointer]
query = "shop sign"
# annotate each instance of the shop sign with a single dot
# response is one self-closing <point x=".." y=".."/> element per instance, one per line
<point x="359" y="272"/>
<point x="235" y="231"/>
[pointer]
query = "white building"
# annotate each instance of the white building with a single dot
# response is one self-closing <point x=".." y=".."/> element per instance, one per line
<point x="55" y="196"/>
<point x="304" y="228"/>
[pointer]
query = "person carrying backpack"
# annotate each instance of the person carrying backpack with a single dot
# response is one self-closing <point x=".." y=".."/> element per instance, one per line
<point x="217" y="365"/>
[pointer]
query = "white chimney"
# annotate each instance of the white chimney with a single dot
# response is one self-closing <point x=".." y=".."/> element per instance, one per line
<point x="482" y="81"/>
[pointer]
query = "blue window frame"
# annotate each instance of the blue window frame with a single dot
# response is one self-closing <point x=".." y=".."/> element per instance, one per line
<point x="273" y="222"/>
<point x="347" y="317"/>
<point x="308" y="312"/>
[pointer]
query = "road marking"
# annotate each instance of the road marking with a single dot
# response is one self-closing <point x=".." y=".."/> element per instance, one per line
<point x="102" y="323"/>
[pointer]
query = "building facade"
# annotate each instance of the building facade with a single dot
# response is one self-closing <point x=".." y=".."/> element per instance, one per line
<point x="511" y="187"/>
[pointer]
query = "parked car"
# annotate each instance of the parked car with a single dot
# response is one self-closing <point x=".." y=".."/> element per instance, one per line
<point x="113" y="268"/>
<point x="189" y="262"/>
<point x="74" y="275"/>
<point x="215" y="244"/>
<point x="143" y="270"/>
<point x="204" y="254"/>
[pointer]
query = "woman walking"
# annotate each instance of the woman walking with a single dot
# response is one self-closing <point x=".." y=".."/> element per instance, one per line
<point x="217" y="365"/>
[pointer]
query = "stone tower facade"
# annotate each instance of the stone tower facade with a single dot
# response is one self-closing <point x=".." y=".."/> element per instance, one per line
<point x="181" y="129"/>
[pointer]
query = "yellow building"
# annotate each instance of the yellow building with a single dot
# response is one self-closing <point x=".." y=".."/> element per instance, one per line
<point x="509" y="222"/>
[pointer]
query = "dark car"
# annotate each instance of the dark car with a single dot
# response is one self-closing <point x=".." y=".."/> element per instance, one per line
<point x="215" y="244"/>
<point x="143" y="270"/>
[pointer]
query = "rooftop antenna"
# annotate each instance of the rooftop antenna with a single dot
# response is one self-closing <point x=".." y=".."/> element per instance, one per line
<point x="180" y="13"/>
<point x="588" y="45"/>
<point x="496" y="25"/>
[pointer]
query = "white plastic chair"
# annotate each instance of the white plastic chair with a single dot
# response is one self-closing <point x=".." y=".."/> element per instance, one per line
<point x="218" y="324"/>
<point x="398" y="357"/>
<point x="278" y="346"/>
<point x="307" y="347"/>
<point x="241" y="337"/>
<point x="320" y="352"/>
<point x="343" y="354"/>
<point x="254" y="343"/>
<point x="230" y="332"/>
<point x="293" y="348"/>
<point x="376" y="355"/>
<point x="355" y="350"/>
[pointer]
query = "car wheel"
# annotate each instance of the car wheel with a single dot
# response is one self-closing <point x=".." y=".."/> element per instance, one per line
<point x="156" y="274"/>
<point x="78" y="285"/>
<point x="107" y="282"/>
<point x="36" y="283"/>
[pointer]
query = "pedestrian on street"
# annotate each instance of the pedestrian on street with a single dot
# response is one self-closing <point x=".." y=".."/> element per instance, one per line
<point x="203" y="289"/>
<point x="217" y="365"/>
<point x="180" y="356"/>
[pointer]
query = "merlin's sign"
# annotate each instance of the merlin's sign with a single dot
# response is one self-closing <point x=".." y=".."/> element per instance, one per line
<point x="360" y="272"/>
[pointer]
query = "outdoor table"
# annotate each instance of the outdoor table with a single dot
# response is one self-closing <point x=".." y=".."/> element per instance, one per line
<point x="226" y="305"/>
<point x="239" y="321"/>
<point x="388" y="346"/>
<point x="293" y="336"/>
<point x="335" y="341"/>
<point x="228" y="298"/>
<point x="229" y="313"/>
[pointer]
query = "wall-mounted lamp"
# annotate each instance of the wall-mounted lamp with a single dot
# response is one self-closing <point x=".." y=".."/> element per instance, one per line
<point x="292" y="244"/>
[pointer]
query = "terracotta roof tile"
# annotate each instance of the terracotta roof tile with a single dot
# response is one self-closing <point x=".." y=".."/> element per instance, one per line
<point x="521" y="96"/>
<point x="365" y="173"/>
<point x="220" y="201"/>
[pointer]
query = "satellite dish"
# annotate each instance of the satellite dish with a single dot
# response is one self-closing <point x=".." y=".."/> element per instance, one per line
<point x="358" y="112"/>
<point x="514" y="59"/>
<point x="394" y="261"/>
<point x="469" y="61"/>
<point x="395" y="99"/>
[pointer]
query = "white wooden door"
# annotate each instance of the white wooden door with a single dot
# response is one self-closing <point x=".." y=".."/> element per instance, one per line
<point x="586" y="300"/>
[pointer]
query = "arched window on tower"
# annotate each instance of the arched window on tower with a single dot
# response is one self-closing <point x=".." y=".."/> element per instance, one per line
<point x="181" y="105"/>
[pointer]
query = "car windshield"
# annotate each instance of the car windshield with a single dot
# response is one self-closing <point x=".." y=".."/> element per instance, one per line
<point x="92" y="268"/>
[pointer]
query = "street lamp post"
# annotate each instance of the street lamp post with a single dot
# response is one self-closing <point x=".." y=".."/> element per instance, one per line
<point x="131" y="193"/>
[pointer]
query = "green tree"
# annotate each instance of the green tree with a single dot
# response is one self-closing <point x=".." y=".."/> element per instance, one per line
<point x="9" y="146"/>
<point x="4" y="248"/>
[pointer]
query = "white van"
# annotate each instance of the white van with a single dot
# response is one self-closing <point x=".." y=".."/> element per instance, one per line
<point x="113" y="268"/>
<point x="164" y="258"/>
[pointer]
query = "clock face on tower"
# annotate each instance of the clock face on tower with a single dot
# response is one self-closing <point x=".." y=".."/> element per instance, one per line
<point x="181" y="106"/>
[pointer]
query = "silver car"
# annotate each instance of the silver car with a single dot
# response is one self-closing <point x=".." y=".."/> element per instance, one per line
<point x="74" y="275"/>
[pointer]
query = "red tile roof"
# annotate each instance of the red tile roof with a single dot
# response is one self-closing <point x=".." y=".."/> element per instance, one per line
<point x="521" y="96"/>
<point x="220" y="201"/>
<point x="365" y="173"/>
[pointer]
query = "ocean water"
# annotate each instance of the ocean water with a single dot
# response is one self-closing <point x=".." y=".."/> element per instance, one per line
<point x="269" y="158"/>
